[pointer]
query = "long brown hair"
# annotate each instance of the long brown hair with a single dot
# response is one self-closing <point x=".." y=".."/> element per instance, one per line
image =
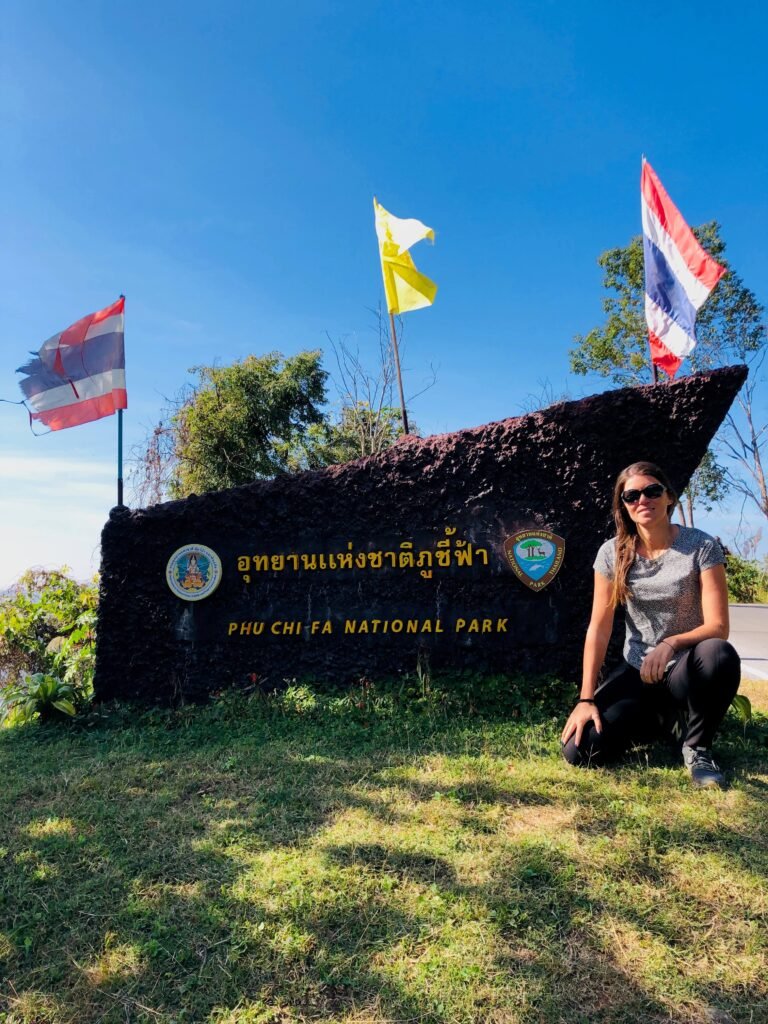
<point x="626" y="531"/>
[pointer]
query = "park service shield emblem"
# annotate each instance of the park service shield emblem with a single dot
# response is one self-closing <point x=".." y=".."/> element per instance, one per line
<point x="535" y="556"/>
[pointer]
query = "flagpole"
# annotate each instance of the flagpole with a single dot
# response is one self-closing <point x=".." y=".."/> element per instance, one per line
<point x="119" y="457"/>
<point x="120" y="451"/>
<point x="654" y="369"/>
<point x="399" y="375"/>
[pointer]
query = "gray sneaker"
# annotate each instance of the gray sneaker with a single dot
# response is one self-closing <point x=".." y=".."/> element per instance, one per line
<point x="702" y="768"/>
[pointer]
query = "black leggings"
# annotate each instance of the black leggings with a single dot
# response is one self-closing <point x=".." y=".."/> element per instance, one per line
<point x="696" y="691"/>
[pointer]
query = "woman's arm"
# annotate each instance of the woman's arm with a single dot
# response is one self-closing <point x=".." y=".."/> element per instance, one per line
<point x="598" y="635"/>
<point x="715" y="625"/>
<point x="595" y="646"/>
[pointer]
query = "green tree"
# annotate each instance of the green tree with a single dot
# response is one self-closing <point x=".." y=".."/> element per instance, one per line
<point x="358" y="431"/>
<point x="48" y="625"/>
<point x="234" y="425"/>
<point x="361" y="430"/>
<point x="707" y="487"/>
<point x="263" y="416"/>
<point x="729" y="326"/>
<point x="370" y="418"/>
<point x="729" y="329"/>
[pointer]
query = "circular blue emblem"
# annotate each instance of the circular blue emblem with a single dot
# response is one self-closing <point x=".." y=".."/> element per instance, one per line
<point x="193" y="572"/>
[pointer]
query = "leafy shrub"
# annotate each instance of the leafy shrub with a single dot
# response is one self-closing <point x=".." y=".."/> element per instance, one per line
<point x="37" y="695"/>
<point x="48" y="627"/>
<point x="299" y="699"/>
<point x="747" y="580"/>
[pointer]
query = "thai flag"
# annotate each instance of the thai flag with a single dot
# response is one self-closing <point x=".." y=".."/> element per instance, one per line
<point x="79" y="374"/>
<point x="679" y="275"/>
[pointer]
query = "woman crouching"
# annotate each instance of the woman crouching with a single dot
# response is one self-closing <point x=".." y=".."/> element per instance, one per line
<point x="679" y="673"/>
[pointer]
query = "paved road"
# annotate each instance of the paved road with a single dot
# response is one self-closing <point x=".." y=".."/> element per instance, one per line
<point x="749" y="635"/>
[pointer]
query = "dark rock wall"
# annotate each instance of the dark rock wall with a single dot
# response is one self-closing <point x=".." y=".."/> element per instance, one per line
<point x="549" y="470"/>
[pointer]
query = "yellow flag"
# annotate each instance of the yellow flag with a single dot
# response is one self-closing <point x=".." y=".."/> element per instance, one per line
<point x="404" y="287"/>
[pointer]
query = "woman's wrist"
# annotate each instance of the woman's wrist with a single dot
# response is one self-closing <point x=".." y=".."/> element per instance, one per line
<point x="669" y="644"/>
<point x="586" y="700"/>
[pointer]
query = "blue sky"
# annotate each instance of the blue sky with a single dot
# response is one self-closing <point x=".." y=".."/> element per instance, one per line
<point x="216" y="163"/>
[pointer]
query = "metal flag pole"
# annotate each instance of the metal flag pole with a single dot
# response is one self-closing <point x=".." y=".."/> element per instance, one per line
<point x="654" y="369"/>
<point x="120" y="451"/>
<point x="120" y="457"/>
<point x="399" y="375"/>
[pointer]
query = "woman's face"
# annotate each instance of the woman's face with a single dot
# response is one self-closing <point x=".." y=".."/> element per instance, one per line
<point x="646" y="512"/>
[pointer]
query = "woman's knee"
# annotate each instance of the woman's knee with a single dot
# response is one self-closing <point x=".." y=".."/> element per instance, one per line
<point x="712" y="666"/>
<point x="717" y="658"/>
<point x="581" y="758"/>
<point x="588" y="754"/>
<point x="571" y="753"/>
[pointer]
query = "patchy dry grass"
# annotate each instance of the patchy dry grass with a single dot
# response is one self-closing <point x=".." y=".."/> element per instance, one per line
<point x="757" y="691"/>
<point x="251" y="864"/>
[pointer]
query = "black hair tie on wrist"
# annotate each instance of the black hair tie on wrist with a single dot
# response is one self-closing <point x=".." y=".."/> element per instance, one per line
<point x="586" y="700"/>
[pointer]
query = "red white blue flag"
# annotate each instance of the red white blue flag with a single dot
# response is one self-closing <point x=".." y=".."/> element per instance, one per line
<point x="679" y="275"/>
<point x="79" y="374"/>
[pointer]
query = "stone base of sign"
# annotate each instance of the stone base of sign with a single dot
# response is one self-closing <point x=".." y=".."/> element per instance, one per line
<point x="368" y="568"/>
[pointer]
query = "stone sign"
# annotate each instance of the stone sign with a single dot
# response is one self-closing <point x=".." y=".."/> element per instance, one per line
<point x="469" y="550"/>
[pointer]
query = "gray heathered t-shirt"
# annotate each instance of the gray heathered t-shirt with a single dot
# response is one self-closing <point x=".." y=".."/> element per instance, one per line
<point x="665" y="593"/>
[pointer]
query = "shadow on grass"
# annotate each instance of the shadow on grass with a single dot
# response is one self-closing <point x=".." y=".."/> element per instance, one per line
<point x="165" y="875"/>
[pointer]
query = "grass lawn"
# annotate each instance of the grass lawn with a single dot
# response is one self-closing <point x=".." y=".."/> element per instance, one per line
<point x="289" y="860"/>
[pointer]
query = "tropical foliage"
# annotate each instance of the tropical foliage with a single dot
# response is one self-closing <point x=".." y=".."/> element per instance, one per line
<point x="47" y="641"/>
<point x="37" y="695"/>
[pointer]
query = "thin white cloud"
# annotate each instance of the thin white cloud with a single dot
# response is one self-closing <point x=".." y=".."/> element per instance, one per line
<point x="19" y="469"/>
<point x="50" y="542"/>
<point x="85" y="503"/>
<point x="52" y="511"/>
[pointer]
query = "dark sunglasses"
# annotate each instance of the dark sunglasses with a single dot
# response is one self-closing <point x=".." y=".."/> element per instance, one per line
<point x="651" y="491"/>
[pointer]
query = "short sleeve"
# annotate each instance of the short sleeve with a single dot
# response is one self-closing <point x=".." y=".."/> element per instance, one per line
<point x="709" y="553"/>
<point x="606" y="559"/>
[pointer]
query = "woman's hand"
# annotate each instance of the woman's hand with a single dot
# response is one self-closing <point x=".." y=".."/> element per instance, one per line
<point x="654" y="664"/>
<point x="581" y="715"/>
